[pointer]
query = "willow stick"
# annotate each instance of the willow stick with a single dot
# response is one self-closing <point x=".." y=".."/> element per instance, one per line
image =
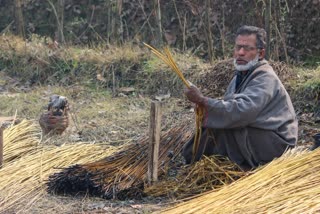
<point x="175" y="67"/>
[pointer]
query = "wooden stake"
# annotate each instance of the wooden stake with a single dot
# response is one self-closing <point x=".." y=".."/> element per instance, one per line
<point x="1" y="147"/>
<point x="154" y="141"/>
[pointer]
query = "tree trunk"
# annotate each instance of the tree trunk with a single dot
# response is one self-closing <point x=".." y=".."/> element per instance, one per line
<point x="121" y="28"/>
<point x="109" y="22"/>
<point x="113" y="23"/>
<point x="182" y="26"/>
<point x="223" y="32"/>
<point x="18" y="18"/>
<point x="281" y="30"/>
<point x="115" y="26"/>
<point x="60" y="17"/>
<point x="157" y="5"/>
<point x="268" y="27"/>
<point x="209" y="33"/>
<point x="59" y="14"/>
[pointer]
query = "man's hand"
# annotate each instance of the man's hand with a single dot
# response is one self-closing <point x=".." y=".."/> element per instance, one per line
<point x="194" y="95"/>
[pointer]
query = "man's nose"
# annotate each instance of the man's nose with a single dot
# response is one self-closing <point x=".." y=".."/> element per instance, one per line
<point x="241" y="51"/>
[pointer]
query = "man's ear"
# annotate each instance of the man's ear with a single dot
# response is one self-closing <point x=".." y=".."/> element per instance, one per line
<point x="262" y="53"/>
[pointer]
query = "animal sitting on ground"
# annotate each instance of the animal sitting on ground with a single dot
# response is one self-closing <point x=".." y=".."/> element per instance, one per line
<point x="58" y="105"/>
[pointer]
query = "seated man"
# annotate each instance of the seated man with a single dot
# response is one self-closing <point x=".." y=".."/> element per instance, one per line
<point x="255" y="122"/>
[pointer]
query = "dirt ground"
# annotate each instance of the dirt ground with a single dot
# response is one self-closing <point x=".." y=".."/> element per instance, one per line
<point x="63" y="204"/>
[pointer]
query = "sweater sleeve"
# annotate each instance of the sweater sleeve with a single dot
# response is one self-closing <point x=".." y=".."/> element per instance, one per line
<point x="239" y="110"/>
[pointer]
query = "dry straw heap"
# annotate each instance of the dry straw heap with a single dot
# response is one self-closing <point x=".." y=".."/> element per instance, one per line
<point x="123" y="174"/>
<point x="27" y="165"/>
<point x="289" y="184"/>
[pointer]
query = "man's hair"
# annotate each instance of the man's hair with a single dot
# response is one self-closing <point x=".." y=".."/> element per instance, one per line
<point x="259" y="32"/>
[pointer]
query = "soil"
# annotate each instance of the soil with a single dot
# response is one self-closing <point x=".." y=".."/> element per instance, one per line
<point x="61" y="204"/>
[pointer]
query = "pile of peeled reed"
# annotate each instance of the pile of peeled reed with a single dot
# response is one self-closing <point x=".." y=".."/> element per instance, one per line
<point x="27" y="165"/>
<point x="210" y="173"/>
<point x="289" y="184"/>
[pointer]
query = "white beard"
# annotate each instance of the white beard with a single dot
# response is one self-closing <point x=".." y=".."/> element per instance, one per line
<point x="247" y="66"/>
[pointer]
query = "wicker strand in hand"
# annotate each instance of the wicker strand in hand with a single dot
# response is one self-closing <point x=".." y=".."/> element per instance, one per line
<point x="168" y="59"/>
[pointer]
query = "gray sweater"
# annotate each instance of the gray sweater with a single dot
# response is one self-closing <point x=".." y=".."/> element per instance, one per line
<point x="261" y="101"/>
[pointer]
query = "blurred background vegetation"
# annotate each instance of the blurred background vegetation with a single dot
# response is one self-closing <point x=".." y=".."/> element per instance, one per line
<point x="206" y="28"/>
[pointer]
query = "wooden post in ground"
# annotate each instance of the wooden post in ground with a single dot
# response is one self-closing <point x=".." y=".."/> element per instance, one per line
<point x="1" y="147"/>
<point x="154" y="141"/>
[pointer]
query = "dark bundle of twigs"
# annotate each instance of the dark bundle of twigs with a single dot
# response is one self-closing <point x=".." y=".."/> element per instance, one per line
<point x="284" y="71"/>
<point x="115" y="175"/>
<point x="207" y="174"/>
<point x="214" y="81"/>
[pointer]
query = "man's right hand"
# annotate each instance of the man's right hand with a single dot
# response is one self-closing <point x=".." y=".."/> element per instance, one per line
<point x="194" y="95"/>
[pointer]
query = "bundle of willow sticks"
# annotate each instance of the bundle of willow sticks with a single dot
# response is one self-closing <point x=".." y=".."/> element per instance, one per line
<point x="116" y="175"/>
<point x="209" y="173"/>
<point x="289" y="184"/>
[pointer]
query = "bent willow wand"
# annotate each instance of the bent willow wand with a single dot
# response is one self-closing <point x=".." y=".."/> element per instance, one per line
<point x="167" y="58"/>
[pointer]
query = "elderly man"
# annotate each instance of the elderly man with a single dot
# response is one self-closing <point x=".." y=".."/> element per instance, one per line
<point x="255" y="121"/>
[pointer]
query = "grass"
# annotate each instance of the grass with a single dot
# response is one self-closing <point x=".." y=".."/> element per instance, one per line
<point x="38" y="63"/>
<point x="312" y="62"/>
<point x="312" y="78"/>
<point x="307" y="90"/>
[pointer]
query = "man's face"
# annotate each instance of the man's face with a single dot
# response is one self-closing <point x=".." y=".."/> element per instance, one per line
<point x="245" y="49"/>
